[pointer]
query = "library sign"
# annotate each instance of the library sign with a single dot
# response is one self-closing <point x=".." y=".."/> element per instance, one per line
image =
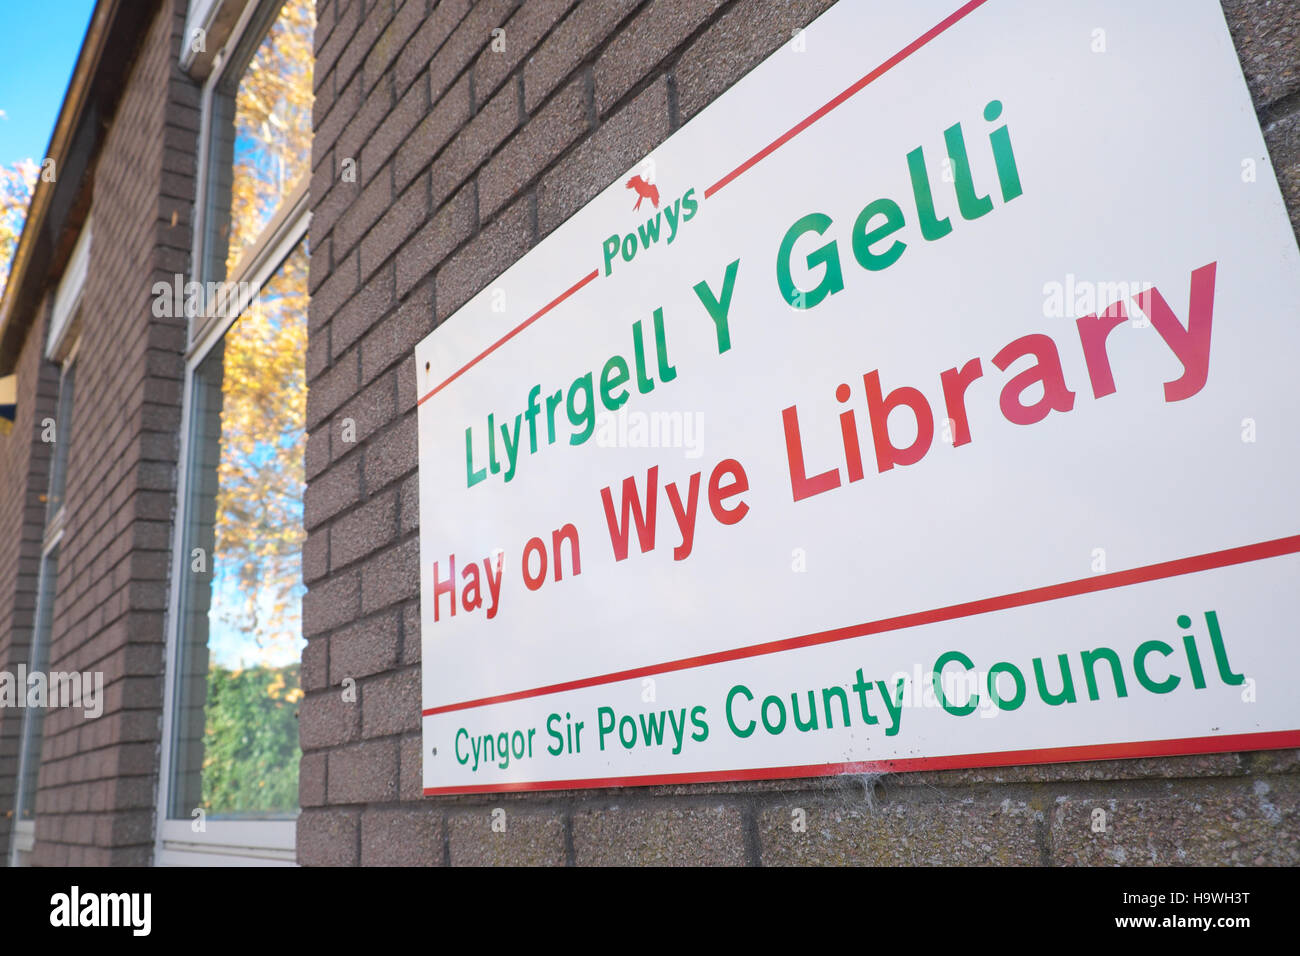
<point x="926" y="401"/>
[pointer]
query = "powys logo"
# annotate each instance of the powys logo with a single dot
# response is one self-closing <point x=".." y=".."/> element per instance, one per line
<point x="644" y="190"/>
<point x="665" y="222"/>
<point x="102" y="909"/>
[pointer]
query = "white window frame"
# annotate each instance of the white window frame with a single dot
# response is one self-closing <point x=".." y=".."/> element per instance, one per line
<point x="22" y="839"/>
<point x="67" y="299"/>
<point x="202" y="14"/>
<point x="221" y="842"/>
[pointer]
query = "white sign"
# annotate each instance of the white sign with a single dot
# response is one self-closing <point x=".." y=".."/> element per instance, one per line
<point x="926" y="401"/>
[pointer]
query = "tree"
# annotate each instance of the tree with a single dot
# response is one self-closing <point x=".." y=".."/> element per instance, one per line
<point x="250" y="746"/>
<point x="263" y="433"/>
<point x="272" y="125"/>
<point x="259" y="528"/>
<point x="250" y="739"/>
<point x="17" y="183"/>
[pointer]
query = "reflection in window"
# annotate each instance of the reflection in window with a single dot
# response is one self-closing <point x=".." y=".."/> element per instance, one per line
<point x="236" y="750"/>
<point x="59" y="459"/>
<point x="261" y="137"/>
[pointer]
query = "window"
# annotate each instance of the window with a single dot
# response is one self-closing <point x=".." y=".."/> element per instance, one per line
<point x="59" y="453"/>
<point x="230" y="766"/>
<point x="259" y="140"/>
<point x="60" y="347"/>
<point x="237" y="739"/>
<point x="29" y="747"/>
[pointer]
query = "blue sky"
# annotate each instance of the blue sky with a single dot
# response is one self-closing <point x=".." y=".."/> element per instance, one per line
<point x="39" y="43"/>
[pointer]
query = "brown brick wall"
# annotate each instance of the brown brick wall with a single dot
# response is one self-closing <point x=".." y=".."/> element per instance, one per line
<point x="466" y="158"/>
<point x="97" y="786"/>
<point x="25" y="457"/>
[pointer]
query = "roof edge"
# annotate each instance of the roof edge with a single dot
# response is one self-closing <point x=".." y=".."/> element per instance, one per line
<point x="60" y="206"/>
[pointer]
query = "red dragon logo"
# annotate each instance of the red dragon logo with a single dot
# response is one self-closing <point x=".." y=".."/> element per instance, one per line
<point x="644" y="190"/>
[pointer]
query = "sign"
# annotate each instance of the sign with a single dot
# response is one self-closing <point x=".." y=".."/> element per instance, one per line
<point x="926" y="401"/>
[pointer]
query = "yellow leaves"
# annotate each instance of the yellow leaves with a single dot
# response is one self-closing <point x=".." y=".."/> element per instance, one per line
<point x="16" y="185"/>
<point x="272" y="125"/>
<point x="260" y="476"/>
<point x="260" y="471"/>
<point x="277" y="689"/>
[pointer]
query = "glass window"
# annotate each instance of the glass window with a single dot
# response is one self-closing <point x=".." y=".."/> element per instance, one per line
<point x="29" y="754"/>
<point x="58" y="433"/>
<point x="236" y="751"/>
<point x="260" y="136"/>
<point x="233" y="729"/>
<point x="59" y="454"/>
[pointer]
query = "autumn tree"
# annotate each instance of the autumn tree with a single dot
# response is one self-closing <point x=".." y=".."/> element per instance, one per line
<point x="272" y="126"/>
<point x="250" y="740"/>
<point x="259" y="529"/>
<point x="16" y="185"/>
<point x="261" y="479"/>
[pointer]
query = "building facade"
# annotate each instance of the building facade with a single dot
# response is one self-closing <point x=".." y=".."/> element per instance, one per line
<point x="209" y="510"/>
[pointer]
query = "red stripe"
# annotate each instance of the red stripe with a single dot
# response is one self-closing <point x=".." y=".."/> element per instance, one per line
<point x="1272" y="740"/>
<point x="511" y="334"/>
<point x="770" y="148"/>
<point x="1100" y="582"/>
<point x="857" y="87"/>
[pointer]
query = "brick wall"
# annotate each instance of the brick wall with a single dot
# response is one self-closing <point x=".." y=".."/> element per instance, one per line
<point x="96" y="798"/>
<point x="465" y="158"/>
<point x="25" y="461"/>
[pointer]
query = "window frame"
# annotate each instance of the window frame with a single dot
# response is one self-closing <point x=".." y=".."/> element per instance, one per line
<point x="65" y="310"/>
<point x="222" y="842"/>
<point x="22" y="840"/>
